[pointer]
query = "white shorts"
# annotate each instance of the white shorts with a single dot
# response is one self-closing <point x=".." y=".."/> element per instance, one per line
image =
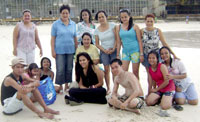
<point x="28" y="57"/>
<point x="12" y="105"/>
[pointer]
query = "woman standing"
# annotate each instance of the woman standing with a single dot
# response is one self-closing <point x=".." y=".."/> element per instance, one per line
<point x="90" y="80"/>
<point x="185" y="89"/>
<point x="105" y="41"/>
<point x="164" y="88"/>
<point x="88" y="47"/>
<point x="130" y="39"/>
<point x="25" y="37"/>
<point x="85" y="25"/>
<point x="63" y="44"/>
<point x="151" y="37"/>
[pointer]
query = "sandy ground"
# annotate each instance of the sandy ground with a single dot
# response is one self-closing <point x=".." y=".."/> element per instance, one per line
<point x="102" y="113"/>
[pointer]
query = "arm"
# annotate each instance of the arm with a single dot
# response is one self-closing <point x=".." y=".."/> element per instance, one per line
<point x="37" y="40"/>
<point x="138" y="34"/>
<point x="52" y="75"/>
<point x="98" y="45"/>
<point x="15" y="37"/>
<point x="115" y="89"/>
<point x="53" y="46"/>
<point x="115" y="44"/>
<point x="164" y="43"/>
<point x="164" y="71"/>
<point x="99" y="76"/>
<point x="75" y="42"/>
<point x="119" y="43"/>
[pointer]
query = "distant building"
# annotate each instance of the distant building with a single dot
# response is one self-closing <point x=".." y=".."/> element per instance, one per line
<point x="183" y="6"/>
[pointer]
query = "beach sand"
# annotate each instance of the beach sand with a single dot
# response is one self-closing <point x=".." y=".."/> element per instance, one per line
<point x="189" y="54"/>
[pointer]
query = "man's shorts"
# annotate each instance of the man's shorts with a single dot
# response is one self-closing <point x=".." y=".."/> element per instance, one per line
<point x="140" y="99"/>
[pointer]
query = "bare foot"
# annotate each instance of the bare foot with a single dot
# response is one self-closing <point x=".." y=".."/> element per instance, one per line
<point x="137" y="111"/>
<point x="51" y="111"/>
<point x="45" y="115"/>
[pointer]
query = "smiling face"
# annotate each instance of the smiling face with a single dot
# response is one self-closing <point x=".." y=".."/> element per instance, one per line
<point x="46" y="64"/>
<point x="86" y="41"/>
<point x="84" y="62"/>
<point x="124" y="17"/>
<point x="102" y="18"/>
<point x="165" y="54"/>
<point x="35" y="72"/>
<point x="116" y="68"/>
<point x="152" y="59"/>
<point x="149" y="22"/>
<point x="27" y="17"/>
<point x="85" y="16"/>
<point x="64" y="15"/>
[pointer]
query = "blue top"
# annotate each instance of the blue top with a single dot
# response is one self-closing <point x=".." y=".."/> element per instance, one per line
<point x="129" y="40"/>
<point x="106" y="38"/>
<point x="64" y="41"/>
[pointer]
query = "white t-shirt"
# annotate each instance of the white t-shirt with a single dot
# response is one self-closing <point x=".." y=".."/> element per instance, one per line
<point x="106" y="38"/>
<point x="178" y="68"/>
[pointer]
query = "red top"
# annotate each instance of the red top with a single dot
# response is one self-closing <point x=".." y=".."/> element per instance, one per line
<point x="157" y="76"/>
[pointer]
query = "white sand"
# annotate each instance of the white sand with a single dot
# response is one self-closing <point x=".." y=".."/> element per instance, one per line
<point x="102" y="113"/>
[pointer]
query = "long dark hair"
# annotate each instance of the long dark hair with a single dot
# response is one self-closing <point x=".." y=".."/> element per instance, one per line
<point x="130" y="23"/>
<point x="79" y="68"/>
<point x="164" y="47"/>
<point x="89" y="13"/>
<point x="41" y="67"/>
<point x="88" y="34"/>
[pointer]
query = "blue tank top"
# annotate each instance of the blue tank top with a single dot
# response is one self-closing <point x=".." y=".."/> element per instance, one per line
<point x="129" y="40"/>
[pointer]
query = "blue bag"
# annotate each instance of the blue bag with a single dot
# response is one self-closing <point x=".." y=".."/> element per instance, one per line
<point x="47" y="91"/>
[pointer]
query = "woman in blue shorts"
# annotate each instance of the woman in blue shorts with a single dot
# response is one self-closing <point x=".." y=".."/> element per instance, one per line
<point x="105" y="41"/>
<point x="128" y="35"/>
<point x="185" y="89"/>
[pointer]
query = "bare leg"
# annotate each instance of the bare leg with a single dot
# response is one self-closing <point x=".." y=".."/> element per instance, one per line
<point x="125" y="65"/>
<point x="107" y="77"/>
<point x="39" y="99"/>
<point x="27" y="101"/>
<point x="135" y="68"/>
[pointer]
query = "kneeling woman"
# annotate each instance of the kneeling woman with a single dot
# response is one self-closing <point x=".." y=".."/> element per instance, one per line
<point x="90" y="79"/>
<point x="164" y="88"/>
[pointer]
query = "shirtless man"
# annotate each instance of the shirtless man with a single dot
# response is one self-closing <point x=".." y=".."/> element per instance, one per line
<point x="14" y="95"/>
<point x="132" y="100"/>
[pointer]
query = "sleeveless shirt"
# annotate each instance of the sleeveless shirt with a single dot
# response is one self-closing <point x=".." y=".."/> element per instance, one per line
<point x="9" y="91"/>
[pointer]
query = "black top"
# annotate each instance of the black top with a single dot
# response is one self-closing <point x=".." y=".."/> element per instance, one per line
<point x="90" y="79"/>
<point x="9" y="91"/>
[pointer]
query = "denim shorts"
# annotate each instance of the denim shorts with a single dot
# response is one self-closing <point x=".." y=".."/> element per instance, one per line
<point x="107" y="58"/>
<point x="168" y="93"/>
<point x="189" y="94"/>
<point x="133" y="57"/>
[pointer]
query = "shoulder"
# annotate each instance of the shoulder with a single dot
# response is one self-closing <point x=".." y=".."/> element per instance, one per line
<point x="136" y="26"/>
<point x="72" y="22"/>
<point x="162" y="67"/>
<point x="8" y="81"/>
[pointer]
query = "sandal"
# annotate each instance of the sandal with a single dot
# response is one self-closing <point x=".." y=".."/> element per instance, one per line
<point x="178" y="107"/>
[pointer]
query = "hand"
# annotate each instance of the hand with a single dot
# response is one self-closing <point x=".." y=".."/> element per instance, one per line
<point x="41" y="52"/>
<point x="111" y="50"/>
<point x="53" y="54"/>
<point x="178" y="89"/>
<point x="124" y="105"/>
<point x="153" y="90"/>
<point x="118" y="57"/>
<point x="15" y="52"/>
<point x="141" y="58"/>
<point x="106" y="51"/>
<point x="169" y="77"/>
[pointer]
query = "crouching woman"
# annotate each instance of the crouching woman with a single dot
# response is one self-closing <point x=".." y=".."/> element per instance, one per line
<point x="90" y="80"/>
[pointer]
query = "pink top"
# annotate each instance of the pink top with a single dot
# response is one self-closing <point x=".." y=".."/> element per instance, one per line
<point x="26" y="37"/>
<point x="157" y="76"/>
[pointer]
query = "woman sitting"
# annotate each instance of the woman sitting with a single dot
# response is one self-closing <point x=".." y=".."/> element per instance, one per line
<point x="164" y="89"/>
<point x="185" y="89"/>
<point x="90" y="79"/>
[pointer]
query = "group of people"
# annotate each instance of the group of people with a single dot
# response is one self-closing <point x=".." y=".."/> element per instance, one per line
<point x="167" y="76"/>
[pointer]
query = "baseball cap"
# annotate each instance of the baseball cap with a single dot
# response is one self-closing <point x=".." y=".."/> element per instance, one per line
<point x="18" y="61"/>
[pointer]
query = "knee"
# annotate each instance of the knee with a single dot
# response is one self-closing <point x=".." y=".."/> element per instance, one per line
<point x="193" y="102"/>
<point x="180" y="102"/>
<point x="166" y="106"/>
<point x="150" y="102"/>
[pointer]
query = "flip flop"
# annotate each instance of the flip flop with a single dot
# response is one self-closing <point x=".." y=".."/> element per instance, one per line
<point x="178" y="107"/>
